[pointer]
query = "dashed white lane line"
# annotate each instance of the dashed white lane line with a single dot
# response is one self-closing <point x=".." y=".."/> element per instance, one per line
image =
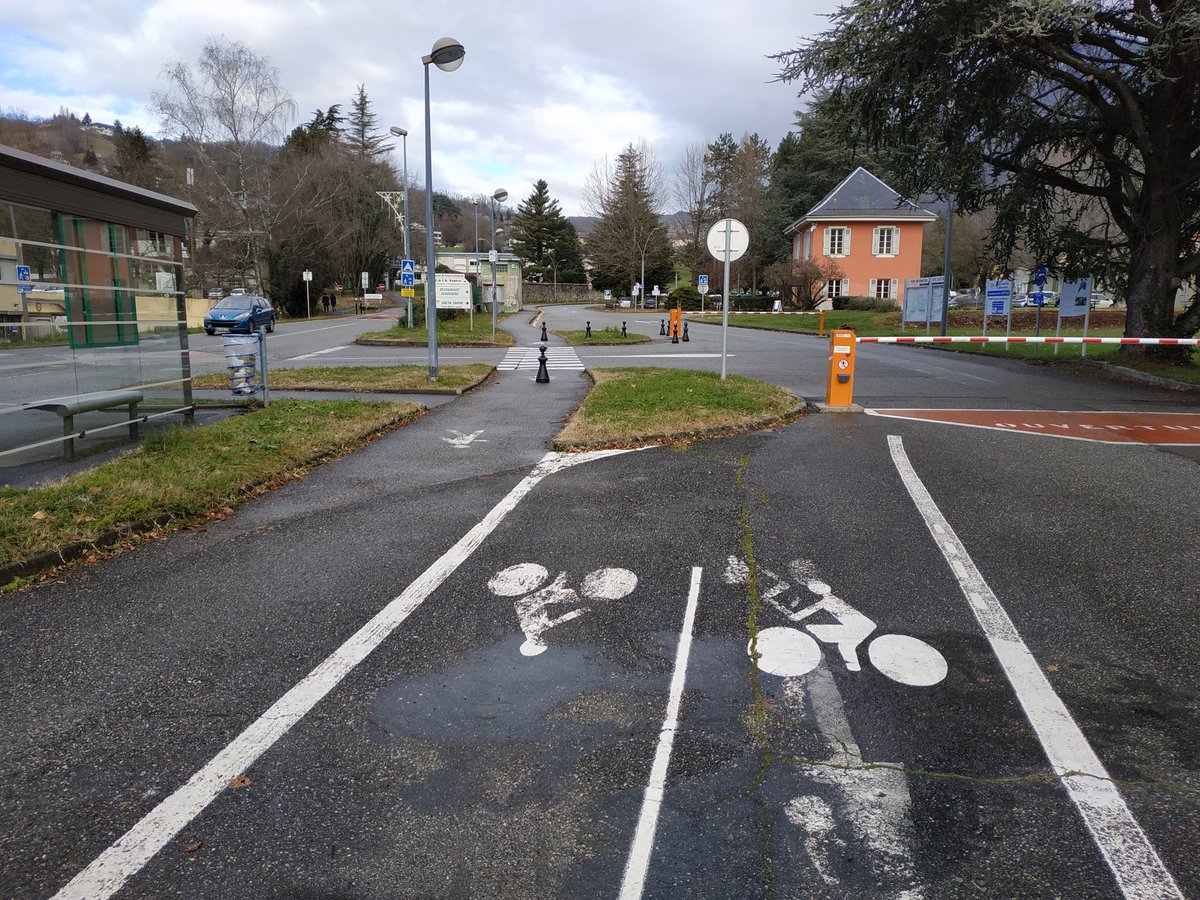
<point x="319" y="352"/>
<point x="1126" y="849"/>
<point x="112" y="868"/>
<point x="643" y="839"/>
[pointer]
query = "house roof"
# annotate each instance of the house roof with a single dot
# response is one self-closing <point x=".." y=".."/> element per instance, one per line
<point x="863" y="196"/>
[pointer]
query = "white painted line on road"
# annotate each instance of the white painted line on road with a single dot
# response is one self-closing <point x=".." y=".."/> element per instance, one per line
<point x="319" y="352"/>
<point x="656" y="355"/>
<point x="643" y="839"/>
<point x="1126" y="849"/>
<point x="112" y="868"/>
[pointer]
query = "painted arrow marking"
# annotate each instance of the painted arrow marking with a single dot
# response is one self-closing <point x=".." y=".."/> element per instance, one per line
<point x="463" y="440"/>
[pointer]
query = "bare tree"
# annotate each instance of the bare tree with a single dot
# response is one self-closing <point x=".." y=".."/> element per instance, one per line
<point x="694" y="190"/>
<point x="230" y="111"/>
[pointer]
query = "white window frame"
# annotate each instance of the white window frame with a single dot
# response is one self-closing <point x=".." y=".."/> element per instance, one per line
<point x="892" y="235"/>
<point x="844" y="239"/>
<point x="835" y="287"/>
<point x="883" y="288"/>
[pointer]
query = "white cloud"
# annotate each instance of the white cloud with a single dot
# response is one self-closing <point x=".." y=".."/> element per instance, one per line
<point x="546" y="89"/>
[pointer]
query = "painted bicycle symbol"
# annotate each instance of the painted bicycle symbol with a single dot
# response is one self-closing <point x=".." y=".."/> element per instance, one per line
<point x="789" y="651"/>
<point x="534" y="608"/>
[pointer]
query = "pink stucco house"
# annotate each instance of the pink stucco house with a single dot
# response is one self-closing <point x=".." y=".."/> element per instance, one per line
<point x="872" y="233"/>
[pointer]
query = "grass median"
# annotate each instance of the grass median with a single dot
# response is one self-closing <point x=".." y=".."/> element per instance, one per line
<point x="461" y="330"/>
<point x="609" y="335"/>
<point x="362" y="379"/>
<point x="631" y="406"/>
<point x="185" y="475"/>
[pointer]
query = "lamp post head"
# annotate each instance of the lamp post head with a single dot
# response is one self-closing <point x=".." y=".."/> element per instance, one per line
<point x="500" y="195"/>
<point x="398" y="131"/>
<point x="447" y="54"/>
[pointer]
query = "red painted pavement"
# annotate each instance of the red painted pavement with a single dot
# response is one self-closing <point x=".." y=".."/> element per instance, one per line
<point x="1168" y="429"/>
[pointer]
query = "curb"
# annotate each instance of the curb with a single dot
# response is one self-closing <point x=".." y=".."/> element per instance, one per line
<point x="49" y="559"/>
<point x="385" y="342"/>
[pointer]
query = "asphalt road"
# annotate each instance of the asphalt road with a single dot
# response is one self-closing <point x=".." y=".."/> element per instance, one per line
<point x="849" y="657"/>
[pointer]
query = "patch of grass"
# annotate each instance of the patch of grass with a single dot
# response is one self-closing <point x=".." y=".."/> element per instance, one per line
<point x="450" y="331"/>
<point x="610" y="334"/>
<point x="366" y="379"/>
<point x="629" y="405"/>
<point x="185" y="475"/>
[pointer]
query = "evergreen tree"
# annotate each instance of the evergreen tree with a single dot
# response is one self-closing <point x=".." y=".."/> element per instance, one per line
<point x="87" y="119"/>
<point x="545" y="239"/>
<point x="360" y="130"/>
<point x="135" y="161"/>
<point x="629" y="230"/>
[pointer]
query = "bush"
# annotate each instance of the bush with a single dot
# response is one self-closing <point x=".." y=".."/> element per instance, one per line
<point x="879" y="304"/>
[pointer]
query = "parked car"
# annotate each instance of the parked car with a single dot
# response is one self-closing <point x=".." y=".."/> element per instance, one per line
<point x="241" y="312"/>
<point x="650" y="303"/>
<point x="216" y="293"/>
<point x="1049" y="298"/>
<point x="239" y="292"/>
<point x="1101" y="301"/>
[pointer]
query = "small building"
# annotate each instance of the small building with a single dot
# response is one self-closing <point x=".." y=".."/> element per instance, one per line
<point x="870" y="234"/>
<point x="508" y="274"/>
<point x="102" y="262"/>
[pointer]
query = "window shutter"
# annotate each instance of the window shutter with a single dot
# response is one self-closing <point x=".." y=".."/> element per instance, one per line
<point x="845" y="287"/>
<point x="846" y="241"/>
<point x="876" y="250"/>
<point x="828" y="235"/>
<point x="874" y="286"/>
<point x="894" y="286"/>
<point x="896" y="240"/>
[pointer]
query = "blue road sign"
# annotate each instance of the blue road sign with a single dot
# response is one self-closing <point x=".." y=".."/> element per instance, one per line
<point x="1039" y="276"/>
<point x="703" y="279"/>
<point x="23" y="280"/>
<point x="407" y="273"/>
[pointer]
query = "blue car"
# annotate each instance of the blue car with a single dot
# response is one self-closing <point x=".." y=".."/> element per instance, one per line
<point x="246" y="313"/>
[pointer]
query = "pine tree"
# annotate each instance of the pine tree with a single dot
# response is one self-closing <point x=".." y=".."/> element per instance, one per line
<point x="629" y="231"/>
<point x="360" y="131"/>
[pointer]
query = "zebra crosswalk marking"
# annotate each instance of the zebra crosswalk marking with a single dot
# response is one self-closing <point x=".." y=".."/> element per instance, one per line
<point x="518" y="358"/>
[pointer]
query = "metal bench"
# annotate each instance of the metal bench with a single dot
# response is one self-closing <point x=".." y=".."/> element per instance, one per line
<point x="67" y="407"/>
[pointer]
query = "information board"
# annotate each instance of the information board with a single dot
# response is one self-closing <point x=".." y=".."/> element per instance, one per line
<point x="453" y="290"/>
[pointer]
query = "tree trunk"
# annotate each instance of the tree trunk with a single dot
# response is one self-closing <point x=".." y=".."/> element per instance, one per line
<point x="1153" y="280"/>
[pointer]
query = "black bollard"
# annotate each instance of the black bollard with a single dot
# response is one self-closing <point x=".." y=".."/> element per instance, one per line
<point x="685" y="337"/>
<point x="623" y="334"/>
<point x="587" y="333"/>
<point x="543" y="377"/>
<point x="674" y="333"/>
<point x="662" y="326"/>
<point x="544" y="332"/>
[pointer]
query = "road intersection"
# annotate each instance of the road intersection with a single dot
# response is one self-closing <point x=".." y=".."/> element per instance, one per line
<point x="450" y="668"/>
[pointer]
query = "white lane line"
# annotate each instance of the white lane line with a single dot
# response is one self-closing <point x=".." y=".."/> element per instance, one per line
<point x="643" y="839"/>
<point x="1126" y="849"/>
<point x="655" y="355"/>
<point x="318" y="353"/>
<point x="105" y="875"/>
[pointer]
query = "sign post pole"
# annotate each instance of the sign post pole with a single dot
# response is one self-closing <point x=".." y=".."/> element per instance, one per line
<point x="727" y="241"/>
<point x="307" y="298"/>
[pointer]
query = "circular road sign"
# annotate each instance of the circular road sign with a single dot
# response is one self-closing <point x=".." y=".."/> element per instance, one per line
<point x="737" y="235"/>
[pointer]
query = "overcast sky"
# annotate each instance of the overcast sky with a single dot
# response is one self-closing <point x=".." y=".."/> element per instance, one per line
<point x="546" y="89"/>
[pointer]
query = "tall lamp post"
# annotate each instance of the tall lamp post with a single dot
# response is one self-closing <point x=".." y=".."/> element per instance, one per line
<point x="447" y="54"/>
<point x="645" y="246"/>
<point x="554" y="265"/>
<point x="403" y="134"/>
<point x="498" y="196"/>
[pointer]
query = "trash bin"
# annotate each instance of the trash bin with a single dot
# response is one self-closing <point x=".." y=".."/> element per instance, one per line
<point x="241" y="360"/>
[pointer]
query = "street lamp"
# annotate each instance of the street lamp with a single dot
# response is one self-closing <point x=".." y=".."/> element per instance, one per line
<point x="645" y="246"/>
<point x="402" y="133"/>
<point x="447" y="54"/>
<point x="498" y="196"/>
<point x="554" y="265"/>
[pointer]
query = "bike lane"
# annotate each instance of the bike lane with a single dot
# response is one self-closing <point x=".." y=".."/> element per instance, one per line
<point x="502" y="741"/>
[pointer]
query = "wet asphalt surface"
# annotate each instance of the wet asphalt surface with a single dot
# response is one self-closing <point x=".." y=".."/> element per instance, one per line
<point x="449" y="763"/>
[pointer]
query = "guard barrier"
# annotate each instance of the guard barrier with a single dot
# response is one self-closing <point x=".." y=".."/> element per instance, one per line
<point x="839" y="385"/>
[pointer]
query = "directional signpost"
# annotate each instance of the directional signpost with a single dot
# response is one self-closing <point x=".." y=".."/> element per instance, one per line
<point x="727" y="240"/>
<point x="408" y="275"/>
<point x="1039" y="278"/>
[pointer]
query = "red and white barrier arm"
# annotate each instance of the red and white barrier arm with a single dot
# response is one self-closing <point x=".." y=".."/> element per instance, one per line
<point x="971" y="339"/>
<point x="756" y="312"/>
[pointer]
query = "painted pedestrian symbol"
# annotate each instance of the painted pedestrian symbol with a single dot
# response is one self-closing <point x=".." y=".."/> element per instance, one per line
<point x="788" y="651"/>
<point x="541" y="608"/>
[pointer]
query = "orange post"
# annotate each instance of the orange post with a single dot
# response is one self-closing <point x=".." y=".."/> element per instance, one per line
<point x="839" y="388"/>
<point x="821" y="325"/>
<point x="676" y="322"/>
